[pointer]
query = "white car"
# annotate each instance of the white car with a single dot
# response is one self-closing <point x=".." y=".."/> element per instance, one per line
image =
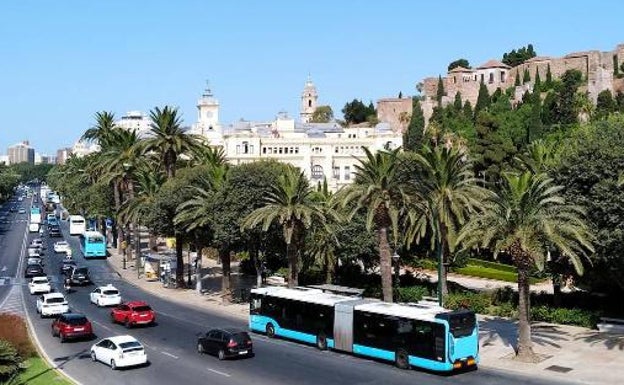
<point x="39" y="285"/>
<point x="33" y="227"/>
<point x="61" y="247"/>
<point x="38" y="242"/>
<point x="52" y="304"/>
<point x="34" y="251"/>
<point x="105" y="296"/>
<point x="119" y="351"/>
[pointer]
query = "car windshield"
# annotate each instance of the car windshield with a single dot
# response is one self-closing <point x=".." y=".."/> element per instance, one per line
<point x="40" y="280"/>
<point x="142" y="308"/>
<point x="56" y="300"/>
<point x="110" y="292"/>
<point x="81" y="270"/>
<point x="76" y="320"/>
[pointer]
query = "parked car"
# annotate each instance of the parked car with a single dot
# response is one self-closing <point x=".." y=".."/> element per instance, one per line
<point x="54" y="231"/>
<point x="67" y="266"/>
<point x="119" y="351"/>
<point x="38" y="285"/>
<point x="33" y="270"/>
<point x="79" y="275"/>
<point x="133" y="313"/>
<point x="71" y="325"/>
<point x="52" y="304"/>
<point x="225" y="343"/>
<point x="21" y="211"/>
<point x="105" y="296"/>
<point x="61" y="247"/>
<point x="34" y="251"/>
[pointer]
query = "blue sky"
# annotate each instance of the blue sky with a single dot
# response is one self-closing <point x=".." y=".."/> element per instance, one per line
<point x="61" y="61"/>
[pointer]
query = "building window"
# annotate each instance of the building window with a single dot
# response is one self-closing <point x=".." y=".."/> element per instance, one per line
<point x="336" y="172"/>
<point x="347" y="173"/>
<point x="454" y="79"/>
<point x="296" y="150"/>
<point x="336" y="149"/>
<point x="264" y="150"/>
<point x="491" y="78"/>
<point x="503" y="76"/>
<point x="482" y="77"/>
<point x="245" y="148"/>
<point x="309" y="103"/>
<point x="317" y="172"/>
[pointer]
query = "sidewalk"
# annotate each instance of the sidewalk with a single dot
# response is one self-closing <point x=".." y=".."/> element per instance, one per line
<point x="573" y="354"/>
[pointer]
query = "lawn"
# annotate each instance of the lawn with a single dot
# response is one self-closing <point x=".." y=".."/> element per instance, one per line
<point x="38" y="372"/>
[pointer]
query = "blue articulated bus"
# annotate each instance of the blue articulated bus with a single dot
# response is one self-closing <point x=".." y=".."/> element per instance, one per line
<point x="92" y="244"/>
<point x="422" y="334"/>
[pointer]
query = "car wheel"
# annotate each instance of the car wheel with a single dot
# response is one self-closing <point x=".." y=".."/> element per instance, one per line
<point x="200" y="348"/>
<point x="401" y="359"/>
<point x="99" y="303"/>
<point x="127" y="323"/>
<point x="62" y="336"/>
<point x="270" y="330"/>
<point x="113" y="365"/>
<point x="93" y="356"/>
<point x="221" y="355"/>
<point x="321" y="341"/>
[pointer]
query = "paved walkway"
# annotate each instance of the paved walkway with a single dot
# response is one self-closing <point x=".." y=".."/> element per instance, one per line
<point x="574" y="354"/>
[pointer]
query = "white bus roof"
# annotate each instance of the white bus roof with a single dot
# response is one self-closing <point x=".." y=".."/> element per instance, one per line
<point x="303" y="294"/>
<point x="76" y="217"/>
<point x="420" y="311"/>
<point x="92" y="233"/>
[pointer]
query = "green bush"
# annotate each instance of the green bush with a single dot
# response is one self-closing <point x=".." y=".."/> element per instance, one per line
<point x="578" y="317"/>
<point x="410" y="293"/>
<point x="9" y="360"/>
<point x="477" y="302"/>
<point x="505" y="309"/>
<point x="504" y="295"/>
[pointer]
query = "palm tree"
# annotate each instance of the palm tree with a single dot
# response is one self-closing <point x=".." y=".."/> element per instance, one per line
<point x="379" y="190"/>
<point x="101" y="131"/>
<point x="526" y="217"/>
<point x="445" y="179"/>
<point x="169" y="139"/>
<point x="290" y="205"/>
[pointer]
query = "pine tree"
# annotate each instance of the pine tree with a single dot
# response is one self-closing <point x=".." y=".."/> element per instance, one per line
<point x="549" y="81"/>
<point x="440" y="91"/>
<point x="517" y="82"/>
<point x="550" y="109"/>
<point x="412" y="138"/>
<point x="527" y="76"/>
<point x="483" y="100"/>
<point x="538" y="81"/>
<point x="400" y="95"/>
<point x="467" y="110"/>
<point x="457" y="103"/>
<point x="616" y="70"/>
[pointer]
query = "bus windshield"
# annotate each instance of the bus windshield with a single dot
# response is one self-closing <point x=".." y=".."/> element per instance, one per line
<point x="462" y="324"/>
<point x="96" y="239"/>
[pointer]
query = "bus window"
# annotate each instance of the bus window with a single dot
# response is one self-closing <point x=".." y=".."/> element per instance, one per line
<point x="462" y="324"/>
<point x="255" y="305"/>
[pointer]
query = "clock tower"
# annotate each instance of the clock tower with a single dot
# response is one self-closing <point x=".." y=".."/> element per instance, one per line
<point x="208" y="113"/>
<point x="309" y="98"/>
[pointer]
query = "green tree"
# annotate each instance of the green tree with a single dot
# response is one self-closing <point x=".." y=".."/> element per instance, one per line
<point x="548" y="85"/>
<point x="550" y="110"/>
<point x="459" y="63"/>
<point x="571" y="80"/>
<point x="515" y="58"/>
<point x="605" y="104"/>
<point x="517" y="81"/>
<point x="168" y="138"/>
<point x="322" y="114"/>
<point x="357" y="112"/>
<point x="523" y="220"/>
<point x="412" y="137"/>
<point x="379" y="191"/>
<point x="467" y="110"/>
<point x="616" y="71"/>
<point x="451" y="194"/>
<point x="290" y="205"/>
<point x="457" y="103"/>
<point x="100" y="132"/>
<point x="526" y="77"/>
<point x="440" y="92"/>
<point x="10" y="361"/>
<point x="619" y="100"/>
<point x="483" y="99"/>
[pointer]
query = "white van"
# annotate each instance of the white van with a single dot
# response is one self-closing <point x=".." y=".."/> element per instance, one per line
<point x="33" y="227"/>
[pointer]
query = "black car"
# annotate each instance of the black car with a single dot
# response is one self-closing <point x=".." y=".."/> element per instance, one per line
<point x="79" y="275"/>
<point x="67" y="267"/>
<point x="33" y="270"/>
<point x="225" y="343"/>
<point x="54" y="231"/>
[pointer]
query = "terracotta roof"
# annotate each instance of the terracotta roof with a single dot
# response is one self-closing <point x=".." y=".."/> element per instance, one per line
<point x="493" y="64"/>
<point x="460" y="69"/>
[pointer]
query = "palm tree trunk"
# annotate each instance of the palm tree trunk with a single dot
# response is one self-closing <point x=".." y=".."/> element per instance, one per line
<point x="293" y="268"/>
<point x="385" y="263"/>
<point x="198" y="270"/>
<point x="328" y="270"/>
<point x="117" y="198"/>
<point x="524" y="351"/>
<point x="226" y="289"/>
<point x="444" y="253"/>
<point x="179" y="262"/>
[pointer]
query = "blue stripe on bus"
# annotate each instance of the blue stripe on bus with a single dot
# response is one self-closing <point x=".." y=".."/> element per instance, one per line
<point x="373" y="352"/>
<point x="430" y="364"/>
<point x="390" y="356"/>
<point x="259" y="322"/>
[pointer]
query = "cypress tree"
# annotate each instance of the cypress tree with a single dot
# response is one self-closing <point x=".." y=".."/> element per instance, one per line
<point x="616" y="69"/>
<point x="619" y="101"/>
<point x="440" y="91"/>
<point x="538" y="81"/>
<point x="549" y="81"/>
<point x="412" y="138"/>
<point x="549" y="109"/>
<point x="527" y="76"/>
<point x="457" y="103"/>
<point x="467" y="110"/>
<point x="483" y="100"/>
<point x="517" y="82"/>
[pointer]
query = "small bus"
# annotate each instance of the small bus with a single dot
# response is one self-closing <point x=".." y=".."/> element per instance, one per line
<point x="92" y="244"/>
<point x="77" y="225"/>
<point x="35" y="215"/>
<point x="421" y="334"/>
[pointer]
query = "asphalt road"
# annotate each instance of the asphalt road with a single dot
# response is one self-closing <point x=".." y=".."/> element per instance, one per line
<point x="12" y="230"/>
<point x="171" y="343"/>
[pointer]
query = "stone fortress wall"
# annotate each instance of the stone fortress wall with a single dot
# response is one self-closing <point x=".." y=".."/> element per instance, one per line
<point x="596" y="67"/>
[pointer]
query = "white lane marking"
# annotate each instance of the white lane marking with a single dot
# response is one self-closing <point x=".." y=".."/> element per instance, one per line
<point x="102" y="325"/>
<point x="182" y="319"/>
<point x="218" y="372"/>
<point x="170" y="355"/>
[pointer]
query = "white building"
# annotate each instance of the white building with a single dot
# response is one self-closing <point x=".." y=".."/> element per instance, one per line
<point x="321" y="150"/>
<point x="21" y="153"/>
<point x="82" y="148"/>
<point x="137" y="121"/>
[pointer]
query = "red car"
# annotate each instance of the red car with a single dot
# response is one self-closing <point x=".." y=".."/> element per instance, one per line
<point x="71" y="325"/>
<point x="133" y="313"/>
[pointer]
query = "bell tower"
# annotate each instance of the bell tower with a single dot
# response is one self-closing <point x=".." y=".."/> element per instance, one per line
<point x="309" y="99"/>
<point x="208" y="112"/>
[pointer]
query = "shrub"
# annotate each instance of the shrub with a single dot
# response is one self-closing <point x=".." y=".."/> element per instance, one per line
<point x="410" y="293"/>
<point x="9" y="360"/>
<point x="505" y="309"/>
<point x="504" y="295"/>
<point x="578" y="317"/>
<point x="477" y="302"/>
<point x="13" y="329"/>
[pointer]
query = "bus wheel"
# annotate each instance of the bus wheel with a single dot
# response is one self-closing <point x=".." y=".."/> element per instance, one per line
<point x="270" y="330"/>
<point x="321" y="341"/>
<point x="401" y="359"/>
